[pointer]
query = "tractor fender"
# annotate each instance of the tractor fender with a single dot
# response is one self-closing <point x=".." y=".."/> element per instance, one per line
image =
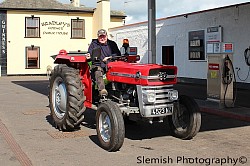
<point x="63" y="58"/>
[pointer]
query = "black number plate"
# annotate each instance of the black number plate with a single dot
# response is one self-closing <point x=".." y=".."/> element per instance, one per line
<point x="160" y="111"/>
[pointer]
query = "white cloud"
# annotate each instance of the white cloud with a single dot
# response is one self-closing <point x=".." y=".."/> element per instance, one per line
<point x="131" y="19"/>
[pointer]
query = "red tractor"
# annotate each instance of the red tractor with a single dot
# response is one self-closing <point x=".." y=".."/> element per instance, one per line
<point x="135" y="92"/>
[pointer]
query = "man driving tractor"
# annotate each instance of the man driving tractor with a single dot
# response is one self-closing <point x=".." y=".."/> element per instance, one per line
<point x="108" y="49"/>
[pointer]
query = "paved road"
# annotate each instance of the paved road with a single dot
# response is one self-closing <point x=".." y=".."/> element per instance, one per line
<point x="31" y="138"/>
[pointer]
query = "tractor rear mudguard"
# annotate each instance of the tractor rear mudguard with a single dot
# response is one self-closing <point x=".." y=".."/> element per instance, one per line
<point x="64" y="57"/>
<point x="78" y="61"/>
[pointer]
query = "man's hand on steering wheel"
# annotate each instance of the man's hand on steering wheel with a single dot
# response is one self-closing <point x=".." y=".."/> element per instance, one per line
<point x="87" y="56"/>
<point x="106" y="58"/>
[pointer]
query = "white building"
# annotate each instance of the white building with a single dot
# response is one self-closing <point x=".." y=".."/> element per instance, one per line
<point x="173" y="35"/>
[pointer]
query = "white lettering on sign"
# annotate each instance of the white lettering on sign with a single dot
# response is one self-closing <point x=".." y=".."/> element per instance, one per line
<point x="3" y="37"/>
<point x="195" y="55"/>
<point x="213" y="66"/>
<point x="195" y="43"/>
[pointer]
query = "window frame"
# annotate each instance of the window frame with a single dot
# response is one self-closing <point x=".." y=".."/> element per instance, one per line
<point x="38" y="27"/>
<point x="26" y="57"/>
<point x="83" y="28"/>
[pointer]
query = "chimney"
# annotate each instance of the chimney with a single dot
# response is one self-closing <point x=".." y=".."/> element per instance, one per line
<point x="75" y="3"/>
<point x="102" y="15"/>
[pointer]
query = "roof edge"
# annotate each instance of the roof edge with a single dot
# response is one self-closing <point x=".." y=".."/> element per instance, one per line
<point x="41" y="9"/>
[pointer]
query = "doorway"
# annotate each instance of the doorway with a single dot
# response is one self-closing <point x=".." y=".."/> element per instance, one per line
<point x="168" y="55"/>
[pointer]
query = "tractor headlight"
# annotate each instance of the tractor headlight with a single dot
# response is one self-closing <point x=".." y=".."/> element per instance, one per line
<point x="173" y="95"/>
<point x="149" y="97"/>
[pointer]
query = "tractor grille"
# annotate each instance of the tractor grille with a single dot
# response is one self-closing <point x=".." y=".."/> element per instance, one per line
<point x="163" y="75"/>
<point x="161" y="95"/>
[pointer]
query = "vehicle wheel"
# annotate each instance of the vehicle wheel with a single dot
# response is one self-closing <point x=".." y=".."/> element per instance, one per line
<point x="185" y="121"/>
<point x="66" y="98"/>
<point x="110" y="126"/>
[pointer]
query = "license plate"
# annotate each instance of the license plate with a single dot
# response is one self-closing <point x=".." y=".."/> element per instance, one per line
<point x="160" y="111"/>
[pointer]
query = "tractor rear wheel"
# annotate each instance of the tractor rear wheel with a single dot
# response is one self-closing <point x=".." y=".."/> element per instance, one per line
<point x="185" y="121"/>
<point x="66" y="98"/>
<point x="110" y="126"/>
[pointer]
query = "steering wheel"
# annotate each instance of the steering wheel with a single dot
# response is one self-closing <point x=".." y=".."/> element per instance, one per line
<point x="119" y="58"/>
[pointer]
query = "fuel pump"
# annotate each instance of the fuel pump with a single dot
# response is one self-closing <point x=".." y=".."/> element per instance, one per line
<point x="227" y="76"/>
<point x="220" y="77"/>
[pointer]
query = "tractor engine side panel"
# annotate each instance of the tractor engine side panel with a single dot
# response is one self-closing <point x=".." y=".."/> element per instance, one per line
<point x="142" y="74"/>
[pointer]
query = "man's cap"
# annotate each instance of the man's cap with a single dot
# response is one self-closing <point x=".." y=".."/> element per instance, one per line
<point x="102" y="32"/>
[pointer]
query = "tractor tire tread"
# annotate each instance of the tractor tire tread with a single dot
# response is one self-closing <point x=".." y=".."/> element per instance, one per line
<point x="75" y="96"/>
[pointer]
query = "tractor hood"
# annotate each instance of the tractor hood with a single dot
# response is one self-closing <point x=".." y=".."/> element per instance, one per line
<point x="141" y="74"/>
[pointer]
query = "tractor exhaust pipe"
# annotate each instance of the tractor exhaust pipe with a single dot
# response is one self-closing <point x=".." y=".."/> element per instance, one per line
<point x="151" y="32"/>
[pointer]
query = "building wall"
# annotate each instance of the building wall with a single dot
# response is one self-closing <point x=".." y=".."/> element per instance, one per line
<point x="174" y="32"/>
<point x="115" y="22"/>
<point x="52" y="39"/>
<point x="49" y="43"/>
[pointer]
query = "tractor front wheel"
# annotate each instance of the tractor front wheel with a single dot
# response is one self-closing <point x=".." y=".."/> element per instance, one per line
<point x="66" y="97"/>
<point x="185" y="121"/>
<point x="110" y="126"/>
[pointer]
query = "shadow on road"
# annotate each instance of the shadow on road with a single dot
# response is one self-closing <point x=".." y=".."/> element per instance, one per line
<point x="50" y="121"/>
<point x="142" y="130"/>
<point x="40" y="86"/>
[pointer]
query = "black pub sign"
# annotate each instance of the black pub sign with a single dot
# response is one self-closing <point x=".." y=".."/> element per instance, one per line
<point x="3" y="44"/>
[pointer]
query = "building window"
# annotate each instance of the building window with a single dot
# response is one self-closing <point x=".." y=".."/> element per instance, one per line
<point x="77" y="28"/>
<point x="32" y="57"/>
<point x="32" y="26"/>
